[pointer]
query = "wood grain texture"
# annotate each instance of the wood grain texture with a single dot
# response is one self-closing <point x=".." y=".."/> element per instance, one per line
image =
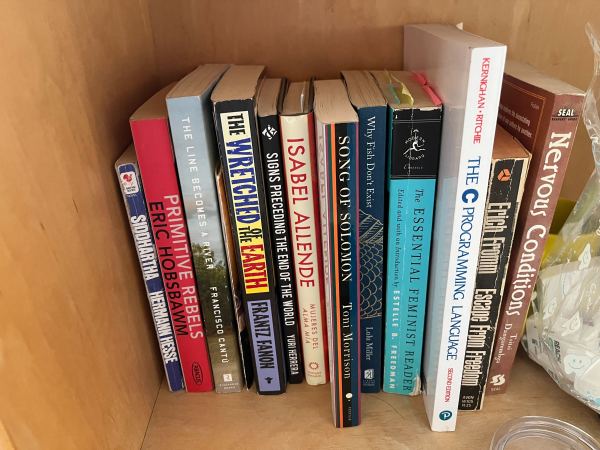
<point x="78" y="359"/>
<point x="303" y="38"/>
<point x="301" y="418"/>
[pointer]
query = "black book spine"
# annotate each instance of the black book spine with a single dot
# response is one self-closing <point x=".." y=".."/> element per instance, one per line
<point x="281" y="240"/>
<point x="506" y="182"/>
<point x="236" y="129"/>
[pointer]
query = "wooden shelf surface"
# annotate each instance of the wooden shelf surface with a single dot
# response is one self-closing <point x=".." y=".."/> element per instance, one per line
<point x="301" y="418"/>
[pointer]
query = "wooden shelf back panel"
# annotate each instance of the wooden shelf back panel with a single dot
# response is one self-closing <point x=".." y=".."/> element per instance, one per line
<point x="302" y="38"/>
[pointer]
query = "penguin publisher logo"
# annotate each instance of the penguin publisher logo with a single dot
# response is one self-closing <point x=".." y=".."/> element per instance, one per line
<point x="504" y="175"/>
<point x="197" y="373"/>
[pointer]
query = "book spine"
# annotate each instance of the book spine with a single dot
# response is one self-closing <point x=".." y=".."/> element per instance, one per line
<point x="196" y="155"/>
<point x="460" y="206"/>
<point x="544" y="183"/>
<point x="282" y="248"/>
<point x="236" y="128"/>
<point x="507" y="179"/>
<point x="371" y="154"/>
<point x="299" y="161"/>
<point x="339" y="168"/>
<point x="242" y="329"/>
<point x="137" y="212"/>
<point x="413" y="164"/>
<point x="324" y="222"/>
<point x="155" y="158"/>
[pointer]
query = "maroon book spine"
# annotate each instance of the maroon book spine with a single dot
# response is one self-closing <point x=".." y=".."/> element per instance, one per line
<point x="546" y="124"/>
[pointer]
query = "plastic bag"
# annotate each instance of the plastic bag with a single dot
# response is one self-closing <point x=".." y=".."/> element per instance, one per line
<point x="563" y="332"/>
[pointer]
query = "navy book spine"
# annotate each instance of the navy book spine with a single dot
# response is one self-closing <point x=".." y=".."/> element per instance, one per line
<point x="137" y="212"/>
<point x="372" y="155"/>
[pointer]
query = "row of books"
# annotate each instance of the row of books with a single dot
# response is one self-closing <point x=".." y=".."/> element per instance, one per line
<point x="356" y="231"/>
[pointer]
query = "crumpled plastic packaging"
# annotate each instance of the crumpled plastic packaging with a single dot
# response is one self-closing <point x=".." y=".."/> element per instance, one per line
<point x="563" y="332"/>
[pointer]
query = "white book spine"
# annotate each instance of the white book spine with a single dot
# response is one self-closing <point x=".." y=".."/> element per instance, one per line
<point x="299" y="163"/>
<point x="456" y="247"/>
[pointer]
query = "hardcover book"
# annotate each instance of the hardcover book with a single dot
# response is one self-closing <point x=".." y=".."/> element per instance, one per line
<point x="372" y="116"/>
<point x="466" y="72"/>
<point x="242" y="329"/>
<point x="196" y="154"/>
<point x="542" y="113"/>
<point x="269" y="97"/>
<point x="152" y="141"/>
<point x="236" y="127"/>
<point x="415" y="121"/>
<point x="137" y="213"/>
<point x="299" y="162"/>
<point x="510" y="162"/>
<point x="337" y="154"/>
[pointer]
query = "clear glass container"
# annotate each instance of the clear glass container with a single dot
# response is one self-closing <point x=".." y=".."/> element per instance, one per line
<point x="546" y="433"/>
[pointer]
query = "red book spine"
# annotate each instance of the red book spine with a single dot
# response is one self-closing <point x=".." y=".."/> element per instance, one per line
<point x="155" y="157"/>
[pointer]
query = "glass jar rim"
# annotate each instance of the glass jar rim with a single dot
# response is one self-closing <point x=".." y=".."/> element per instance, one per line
<point x="542" y="427"/>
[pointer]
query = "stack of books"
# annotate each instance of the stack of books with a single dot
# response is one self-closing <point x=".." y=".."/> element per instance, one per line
<point x="354" y="231"/>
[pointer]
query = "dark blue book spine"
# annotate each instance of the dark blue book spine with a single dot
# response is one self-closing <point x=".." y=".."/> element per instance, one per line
<point x="371" y="156"/>
<point x="133" y="196"/>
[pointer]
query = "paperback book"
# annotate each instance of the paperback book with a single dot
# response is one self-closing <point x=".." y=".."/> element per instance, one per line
<point x="542" y="113"/>
<point x="234" y="279"/>
<point x="510" y="162"/>
<point x="372" y="116"/>
<point x="192" y="131"/>
<point x="152" y="141"/>
<point x="337" y="155"/>
<point x="234" y="108"/>
<point x="415" y="122"/>
<point x="299" y="162"/>
<point x="466" y="72"/>
<point x="270" y="95"/>
<point x="137" y="213"/>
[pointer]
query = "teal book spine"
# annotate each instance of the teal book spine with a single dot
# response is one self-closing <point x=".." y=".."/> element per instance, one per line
<point x="413" y="159"/>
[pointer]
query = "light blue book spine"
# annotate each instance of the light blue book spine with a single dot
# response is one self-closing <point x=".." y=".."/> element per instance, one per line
<point x="413" y="156"/>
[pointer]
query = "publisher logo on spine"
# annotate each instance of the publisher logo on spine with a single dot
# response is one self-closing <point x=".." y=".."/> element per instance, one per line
<point x="197" y="372"/>
<point x="445" y="415"/>
<point x="269" y="132"/>
<point x="416" y="146"/>
<point x="504" y="175"/>
<point x="565" y="113"/>
<point x="498" y="380"/>
<point x="129" y="183"/>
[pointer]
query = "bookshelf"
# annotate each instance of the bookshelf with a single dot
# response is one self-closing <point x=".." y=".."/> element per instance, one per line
<point x="389" y="421"/>
<point x="78" y="361"/>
